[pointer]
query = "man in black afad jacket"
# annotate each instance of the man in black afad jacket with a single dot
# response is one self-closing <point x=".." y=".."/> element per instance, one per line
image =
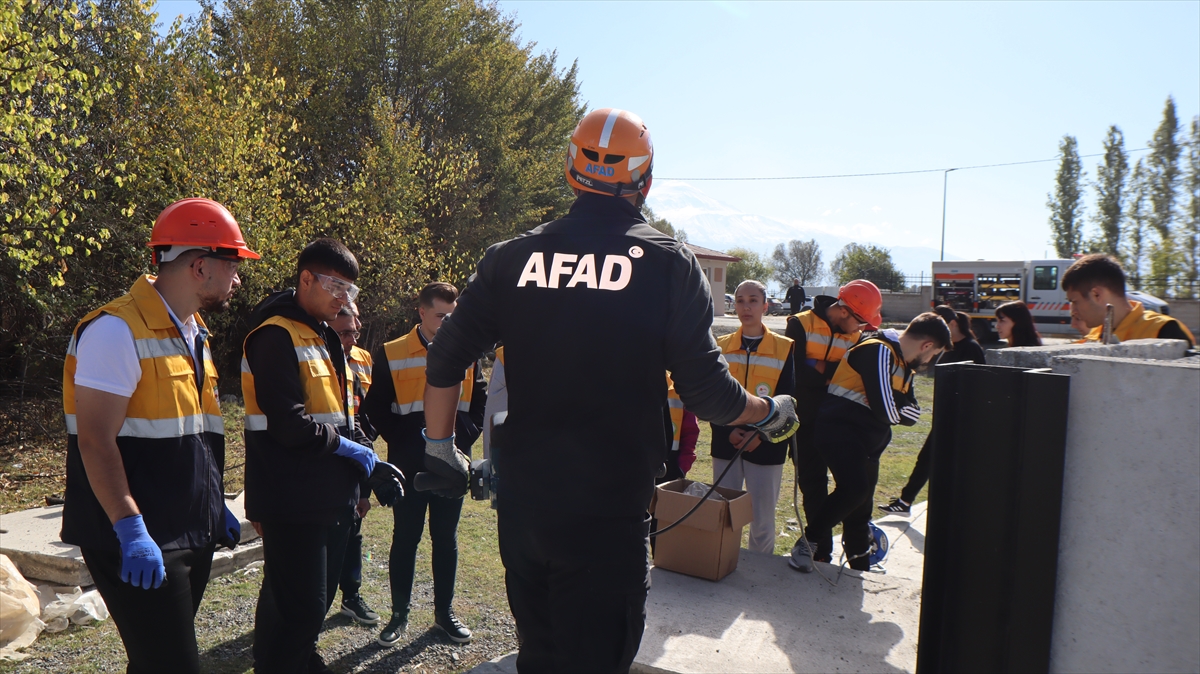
<point x="304" y="455"/>
<point x="593" y="309"/>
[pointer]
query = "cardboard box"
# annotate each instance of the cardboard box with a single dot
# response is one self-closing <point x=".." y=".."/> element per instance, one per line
<point x="706" y="544"/>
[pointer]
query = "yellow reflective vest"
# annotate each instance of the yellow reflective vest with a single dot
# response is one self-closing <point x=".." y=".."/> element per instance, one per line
<point x="848" y="383"/>
<point x="824" y="348"/>
<point x="172" y="440"/>
<point x="326" y="394"/>
<point x="675" y="405"/>
<point x="1141" y="323"/>
<point x="759" y="372"/>
<point x="360" y="364"/>
<point x="406" y="362"/>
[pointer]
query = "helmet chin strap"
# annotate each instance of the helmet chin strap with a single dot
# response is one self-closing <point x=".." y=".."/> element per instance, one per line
<point x="641" y="199"/>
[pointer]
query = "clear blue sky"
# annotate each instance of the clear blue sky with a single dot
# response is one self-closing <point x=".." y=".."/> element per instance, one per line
<point x="734" y="89"/>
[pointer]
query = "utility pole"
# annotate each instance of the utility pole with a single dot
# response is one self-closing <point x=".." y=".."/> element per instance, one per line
<point x="945" y="178"/>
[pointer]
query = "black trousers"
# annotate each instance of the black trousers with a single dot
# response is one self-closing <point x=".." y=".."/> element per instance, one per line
<point x="577" y="589"/>
<point x="812" y="476"/>
<point x="351" y="580"/>
<point x="852" y="453"/>
<point x="920" y="473"/>
<point x="302" y="565"/>
<point x="406" y="536"/>
<point x="157" y="626"/>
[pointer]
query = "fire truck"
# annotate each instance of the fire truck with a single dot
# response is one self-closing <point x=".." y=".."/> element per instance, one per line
<point x="977" y="288"/>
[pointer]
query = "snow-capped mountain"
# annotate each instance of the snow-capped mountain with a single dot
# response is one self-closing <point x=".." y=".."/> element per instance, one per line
<point x="713" y="224"/>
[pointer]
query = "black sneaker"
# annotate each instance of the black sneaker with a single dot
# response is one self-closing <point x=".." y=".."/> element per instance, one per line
<point x="394" y="631"/>
<point x="357" y="609"/>
<point x="897" y="507"/>
<point x="454" y="629"/>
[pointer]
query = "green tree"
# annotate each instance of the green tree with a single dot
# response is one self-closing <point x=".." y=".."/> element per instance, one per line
<point x="663" y="225"/>
<point x="865" y="261"/>
<point x="1066" y="202"/>
<point x="1133" y="246"/>
<point x="1162" y="179"/>
<point x="798" y="260"/>
<point x="1192" y="216"/>
<point x="751" y="266"/>
<point x="1110" y="192"/>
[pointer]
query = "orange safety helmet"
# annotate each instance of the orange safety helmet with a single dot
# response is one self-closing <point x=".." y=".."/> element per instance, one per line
<point x="199" y="223"/>
<point x="610" y="154"/>
<point x="864" y="299"/>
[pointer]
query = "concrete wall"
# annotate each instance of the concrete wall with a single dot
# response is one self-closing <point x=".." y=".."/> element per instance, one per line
<point x="1188" y="312"/>
<point x="903" y="307"/>
<point x="1127" y="595"/>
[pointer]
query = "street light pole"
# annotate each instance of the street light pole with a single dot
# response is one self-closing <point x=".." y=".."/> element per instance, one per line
<point x="945" y="178"/>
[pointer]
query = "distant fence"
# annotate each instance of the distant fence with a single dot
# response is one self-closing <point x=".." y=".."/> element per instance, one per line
<point x="903" y="307"/>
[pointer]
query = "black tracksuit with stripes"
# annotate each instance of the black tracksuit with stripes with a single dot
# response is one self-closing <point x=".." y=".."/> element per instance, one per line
<point x="851" y="437"/>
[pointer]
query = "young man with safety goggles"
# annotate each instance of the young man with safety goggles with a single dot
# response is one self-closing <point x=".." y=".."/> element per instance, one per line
<point x="822" y="335"/>
<point x="871" y="391"/>
<point x="305" y="456"/>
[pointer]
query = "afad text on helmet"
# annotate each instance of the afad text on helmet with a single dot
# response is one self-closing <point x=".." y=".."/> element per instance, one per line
<point x="606" y="171"/>
<point x="568" y="270"/>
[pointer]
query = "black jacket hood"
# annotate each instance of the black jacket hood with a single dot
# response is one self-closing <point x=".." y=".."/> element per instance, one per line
<point x="283" y="303"/>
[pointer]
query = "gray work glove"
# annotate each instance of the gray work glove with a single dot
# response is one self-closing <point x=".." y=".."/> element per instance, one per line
<point x="447" y="470"/>
<point x="781" y="422"/>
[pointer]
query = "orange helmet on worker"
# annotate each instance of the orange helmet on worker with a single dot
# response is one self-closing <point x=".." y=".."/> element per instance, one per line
<point x="198" y="223"/>
<point x="864" y="301"/>
<point x="611" y="154"/>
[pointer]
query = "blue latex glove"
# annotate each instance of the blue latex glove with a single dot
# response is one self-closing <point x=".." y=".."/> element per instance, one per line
<point x="361" y="454"/>
<point x="231" y="533"/>
<point x="141" y="559"/>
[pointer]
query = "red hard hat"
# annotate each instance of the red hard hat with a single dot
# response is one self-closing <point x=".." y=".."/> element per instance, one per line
<point x="610" y="154"/>
<point x="864" y="299"/>
<point x="202" y="223"/>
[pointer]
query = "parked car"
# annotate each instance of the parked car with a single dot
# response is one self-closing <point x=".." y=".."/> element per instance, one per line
<point x="728" y="303"/>
<point x="775" y="307"/>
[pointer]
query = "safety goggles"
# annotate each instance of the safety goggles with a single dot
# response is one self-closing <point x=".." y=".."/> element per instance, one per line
<point x="348" y="333"/>
<point x="860" y="319"/>
<point x="342" y="290"/>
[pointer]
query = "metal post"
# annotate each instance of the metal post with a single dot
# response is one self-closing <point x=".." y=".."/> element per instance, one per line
<point x="945" y="178"/>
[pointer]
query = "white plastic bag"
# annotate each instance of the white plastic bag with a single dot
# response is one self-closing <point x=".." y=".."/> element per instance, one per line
<point x="19" y="622"/>
<point x="72" y="606"/>
<point x="699" y="489"/>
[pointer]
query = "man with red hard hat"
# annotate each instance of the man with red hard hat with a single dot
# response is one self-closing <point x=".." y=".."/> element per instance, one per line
<point x="596" y="296"/>
<point x="145" y="438"/>
<point x="822" y="335"/>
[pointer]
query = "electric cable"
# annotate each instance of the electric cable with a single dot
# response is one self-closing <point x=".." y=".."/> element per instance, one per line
<point x="896" y="173"/>
<point x="699" y="503"/>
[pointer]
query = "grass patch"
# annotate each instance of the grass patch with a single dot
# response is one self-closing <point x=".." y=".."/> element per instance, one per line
<point x="225" y="621"/>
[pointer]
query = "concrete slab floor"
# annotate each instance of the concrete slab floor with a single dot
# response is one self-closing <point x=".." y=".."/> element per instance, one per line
<point x="766" y="617"/>
<point x="30" y="538"/>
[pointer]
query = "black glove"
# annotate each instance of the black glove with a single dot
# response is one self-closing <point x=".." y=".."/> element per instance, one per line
<point x="387" y="482"/>
<point x="447" y="469"/>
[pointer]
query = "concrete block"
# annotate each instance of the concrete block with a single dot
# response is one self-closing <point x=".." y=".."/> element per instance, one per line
<point x="1039" y="356"/>
<point x="226" y="561"/>
<point x="1129" y="549"/>
<point x="31" y="540"/>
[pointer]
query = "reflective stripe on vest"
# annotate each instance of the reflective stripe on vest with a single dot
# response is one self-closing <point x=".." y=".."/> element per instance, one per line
<point x="167" y="402"/>
<point x="360" y="363"/>
<point x="406" y="362"/>
<point x="1141" y="323"/>
<point x="325" y="398"/>
<point x="824" y="349"/>
<point x="675" y="406"/>
<point x="759" y="372"/>
<point x="848" y="383"/>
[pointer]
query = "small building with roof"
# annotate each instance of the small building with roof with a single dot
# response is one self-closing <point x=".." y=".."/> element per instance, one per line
<point x="714" y="264"/>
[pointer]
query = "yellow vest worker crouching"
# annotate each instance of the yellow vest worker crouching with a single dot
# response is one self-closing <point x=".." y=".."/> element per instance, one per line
<point x="145" y="438"/>
<point x="870" y="392"/>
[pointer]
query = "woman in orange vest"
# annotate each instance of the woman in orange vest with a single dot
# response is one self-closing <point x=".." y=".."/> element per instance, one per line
<point x="762" y="362"/>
